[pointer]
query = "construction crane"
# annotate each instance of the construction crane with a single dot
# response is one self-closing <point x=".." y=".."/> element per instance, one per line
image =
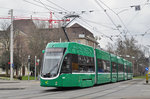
<point x="50" y="19"/>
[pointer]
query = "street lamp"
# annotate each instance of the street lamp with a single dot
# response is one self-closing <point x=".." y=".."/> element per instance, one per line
<point x="11" y="45"/>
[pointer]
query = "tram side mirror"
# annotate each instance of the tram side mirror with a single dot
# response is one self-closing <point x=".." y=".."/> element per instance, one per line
<point x="43" y="51"/>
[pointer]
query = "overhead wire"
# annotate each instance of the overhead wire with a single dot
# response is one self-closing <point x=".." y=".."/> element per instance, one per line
<point x="146" y="31"/>
<point x="94" y="29"/>
<point x="117" y="16"/>
<point x="34" y="4"/>
<point x="43" y="4"/>
<point x="135" y="16"/>
<point x="134" y="19"/>
<point x="108" y="16"/>
<point x="47" y="6"/>
<point x="110" y="36"/>
<point x="57" y="5"/>
<point x="64" y="9"/>
<point x="99" y="24"/>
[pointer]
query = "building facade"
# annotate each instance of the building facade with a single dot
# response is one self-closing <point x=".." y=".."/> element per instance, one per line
<point x="24" y="30"/>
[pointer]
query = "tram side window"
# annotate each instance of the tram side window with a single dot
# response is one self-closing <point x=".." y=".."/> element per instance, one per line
<point x="100" y="65"/>
<point x="125" y="68"/>
<point x="82" y="64"/>
<point x="107" y="66"/>
<point x="86" y="64"/>
<point x="66" y="66"/>
<point x="129" y="69"/>
<point x="90" y="64"/>
<point x="120" y="67"/>
<point x="114" y="67"/>
<point x="75" y="65"/>
<point x="104" y="66"/>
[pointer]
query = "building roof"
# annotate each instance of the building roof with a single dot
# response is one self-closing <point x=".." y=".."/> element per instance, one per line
<point x="79" y="29"/>
<point x="54" y="34"/>
<point x="73" y="32"/>
<point x="26" y="25"/>
<point x="76" y="25"/>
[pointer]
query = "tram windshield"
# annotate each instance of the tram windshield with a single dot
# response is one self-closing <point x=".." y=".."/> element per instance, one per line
<point x="51" y="61"/>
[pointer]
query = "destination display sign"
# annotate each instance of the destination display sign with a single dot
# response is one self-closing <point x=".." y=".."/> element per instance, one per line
<point x="54" y="50"/>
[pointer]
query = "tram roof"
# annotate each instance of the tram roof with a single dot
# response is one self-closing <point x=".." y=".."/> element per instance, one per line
<point x="74" y="48"/>
<point x="113" y="58"/>
<point x="102" y="55"/>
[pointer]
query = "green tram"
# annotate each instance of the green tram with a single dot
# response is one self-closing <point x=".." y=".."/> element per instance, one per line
<point x="71" y="64"/>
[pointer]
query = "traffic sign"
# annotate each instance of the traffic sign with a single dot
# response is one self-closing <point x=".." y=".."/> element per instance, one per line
<point x="146" y="68"/>
<point x="12" y="65"/>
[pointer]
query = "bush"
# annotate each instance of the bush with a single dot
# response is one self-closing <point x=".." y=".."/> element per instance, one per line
<point x="30" y="78"/>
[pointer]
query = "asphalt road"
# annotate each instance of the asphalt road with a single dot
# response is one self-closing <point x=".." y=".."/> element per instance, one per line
<point x="131" y="89"/>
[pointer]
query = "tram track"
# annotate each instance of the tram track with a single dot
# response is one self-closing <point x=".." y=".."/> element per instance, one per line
<point x="33" y="94"/>
<point x="54" y="92"/>
<point x="58" y="92"/>
<point x="66" y="90"/>
<point x="41" y="93"/>
<point x="107" y="93"/>
<point x="129" y="85"/>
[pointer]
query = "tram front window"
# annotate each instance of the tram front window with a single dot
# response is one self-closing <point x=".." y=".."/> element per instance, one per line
<point x="52" y="58"/>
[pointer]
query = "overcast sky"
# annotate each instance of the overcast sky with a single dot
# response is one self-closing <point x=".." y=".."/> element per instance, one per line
<point x="103" y="21"/>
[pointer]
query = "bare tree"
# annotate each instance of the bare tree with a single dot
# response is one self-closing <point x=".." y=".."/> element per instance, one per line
<point x="5" y="41"/>
<point x="41" y="24"/>
<point x="127" y="47"/>
<point x="37" y="42"/>
<point x="21" y="51"/>
<point x="20" y="47"/>
<point x="110" y="48"/>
